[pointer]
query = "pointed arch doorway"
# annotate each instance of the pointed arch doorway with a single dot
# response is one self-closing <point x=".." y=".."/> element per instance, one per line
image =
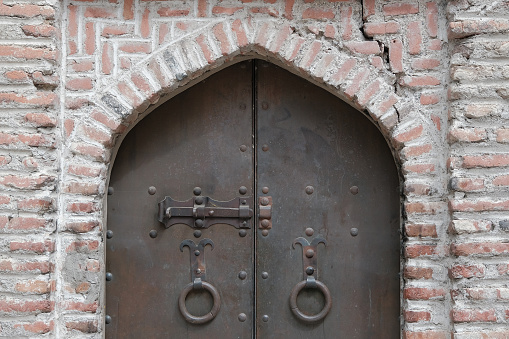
<point x="254" y="204"/>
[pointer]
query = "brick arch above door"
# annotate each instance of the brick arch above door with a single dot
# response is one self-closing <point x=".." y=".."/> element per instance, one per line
<point x="345" y="68"/>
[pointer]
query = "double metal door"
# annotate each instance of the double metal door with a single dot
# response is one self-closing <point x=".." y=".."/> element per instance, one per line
<point x="254" y="204"/>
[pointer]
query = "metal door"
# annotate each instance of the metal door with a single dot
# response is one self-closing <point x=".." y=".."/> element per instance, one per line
<point x="253" y="204"/>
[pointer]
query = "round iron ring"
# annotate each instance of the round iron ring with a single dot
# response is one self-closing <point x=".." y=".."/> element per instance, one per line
<point x="204" y="318"/>
<point x="310" y="318"/>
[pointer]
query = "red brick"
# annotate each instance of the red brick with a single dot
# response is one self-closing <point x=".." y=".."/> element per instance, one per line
<point x="461" y="226"/>
<point x="460" y="29"/>
<point x="467" y="184"/>
<point x="417" y="316"/>
<point x="414" y="37"/>
<point x="16" y="76"/>
<point x="36" y="204"/>
<point x="501" y="180"/>
<point x="89" y="38"/>
<point x="414" y="251"/>
<point x="400" y="9"/>
<point x="40" y="119"/>
<point x="473" y="315"/>
<point x="264" y="10"/>
<point x="27" y="223"/>
<point x="494" y="160"/>
<point x="413" y="272"/>
<point x="419" y="168"/>
<point x="365" y="47"/>
<point x="419" y="81"/>
<point x="420" y="293"/>
<point x="311" y="54"/>
<point x="72" y="27"/>
<point x="79" y="84"/>
<point x="107" y="58"/>
<point x="346" y="22"/>
<point x="480" y="248"/>
<point x="29" y="53"/>
<point x="169" y="12"/>
<point x="424" y="64"/>
<point x="421" y="230"/>
<point x="93" y="265"/>
<point x="112" y="124"/>
<point x="82" y="326"/>
<point x="47" y="246"/>
<point x="429" y="99"/>
<point x="143" y="86"/>
<point x="479" y="205"/>
<point x="409" y="135"/>
<point x="41" y="30"/>
<point x="426" y="335"/>
<point x="38" y="327"/>
<point x="27" y="306"/>
<point x="99" y="12"/>
<point x="139" y="47"/>
<point x="396" y="55"/>
<point x="284" y="33"/>
<point x="202" y="8"/>
<point x="299" y="42"/>
<point x="344" y="70"/>
<point x="95" y="152"/>
<point x="357" y="81"/>
<point x="432" y="18"/>
<point x="81" y="207"/>
<point x="33" y="287"/>
<point x="261" y="37"/>
<point x="318" y="14"/>
<point x="68" y="126"/>
<point x="27" y="11"/>
<point x="81" y="306"/>
<point x="129" y="94"/>
<point x="221" y="36"/>
<point x="220" y="10"/>
<point x="289" y="9"/>
<point x="81" y="188"/>
<point x="29" y="183"/>
<point x="330" y="32"/>
<point x="85" y="171"/>
<point x="118" y="30"/>
<point x="207" y="53"/>
<point x="83" y="246"/>
<point x="145" y="24"/>
<point x="466" y="271"/>
<point x="372" y="29"/>
<point x="81" y="226"/>
<point x="240" y="33"/>
<point x="368" y="7"/>
<point x="369" y="92"/>
<point x="502" y="135"/>
<point x="128" y="10"/>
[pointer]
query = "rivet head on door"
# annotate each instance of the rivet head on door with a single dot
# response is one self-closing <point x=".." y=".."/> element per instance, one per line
<point x="354" y="190"/>
<point x="310" y="270"/>
<point x="152" y="190"/>
<point x="309" y="231"/>
<point x="199" y="223"/>
<point x="264" y="201"/>
<point x="109" y="234"/>
<point x="243" y="148"/>
<point x="242" y="233"/>
<point x="265" y="190"/>
<point x="153" y="234"/>
<point x="310" y="189"/>
<point x="265" y="318"/>
<point x="265" y="223"/>
<point x="354" y="231"/>
<point x="265" y="233"/>
<point x="109" y="276"/>
<point x="197" y="234"/>
<point x="243" y="190"/>
<point x="310" y="253"/>
<point x="198" y="200"/>
<point x="242" y="317"/>
<point x="110" y="190"/>
<point x="197" y="191"/>
<point x="265" y="147"/>
<point x="242" y="275"/>
<point x="107" y="319"/>
<point x="265" y="275"/>
<point x="265" y="105"/>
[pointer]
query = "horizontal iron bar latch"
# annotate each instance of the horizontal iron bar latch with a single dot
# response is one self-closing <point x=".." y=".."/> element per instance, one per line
<point x="203" y="212"/>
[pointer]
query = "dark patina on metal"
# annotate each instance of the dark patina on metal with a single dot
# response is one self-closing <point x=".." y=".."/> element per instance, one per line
<point x="203" y="212"/>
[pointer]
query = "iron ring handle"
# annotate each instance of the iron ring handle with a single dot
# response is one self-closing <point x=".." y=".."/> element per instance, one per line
<point x="204" y="318"/>
<point x="310" y="318"/>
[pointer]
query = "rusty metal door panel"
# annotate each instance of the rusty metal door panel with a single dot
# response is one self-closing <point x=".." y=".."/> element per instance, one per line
<point x="327" y="168"/>
<point x="193" y="140"/>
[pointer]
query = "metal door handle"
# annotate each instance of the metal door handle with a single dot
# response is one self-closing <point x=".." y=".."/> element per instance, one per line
<point x="310" y="284"/>
<point x="309" y="263"/>
<point x="193" y="319"/>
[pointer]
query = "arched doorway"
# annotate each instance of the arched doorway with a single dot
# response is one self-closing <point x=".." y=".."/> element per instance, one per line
<point x="266" y="191"/>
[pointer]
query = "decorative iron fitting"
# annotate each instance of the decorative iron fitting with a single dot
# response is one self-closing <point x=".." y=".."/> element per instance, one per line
<point x="265" y="212"/>
<point x="203" y="212"/>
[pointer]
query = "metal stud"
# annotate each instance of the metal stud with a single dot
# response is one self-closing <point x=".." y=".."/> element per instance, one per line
<point x="109" y="234"/>
<point x="265" y="190"/>
<point x="265" y="147"/>
<point x="310" y="253"/>
<point x="152" y="190"/>
<point x="354" y="190"/>
<point x="198" y="200"/>
<point x="242" y="317"/>
<point x="265" y="233"/>
<point x="310" y="270"/>
<point x="107" y="319"/>
<point x="265" y="223"/>
<point x="265" y="105"/>
<point x="265" y="275"/>
<point x="265" y="318"/>
<point x="309" y="231"/>
<point x="310" y="189"/>
<point x="197" y="191"/>
<point x="109" y="276"/>
<point x="110" y="190"/>
<point x="242" y="275"/>
<point x="354" y="231"/>
<point x="199" y="223"/>
<point x="264" y="201"/>
<point x="243" y="148"/>
<point x="153" y="234"/>
<point x="197" y="233"/>
<point x="242" y="233"/>
<point x="196" y="253"/>
<point x="243" y="190"/>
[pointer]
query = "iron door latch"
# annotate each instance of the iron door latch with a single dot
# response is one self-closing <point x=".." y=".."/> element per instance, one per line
<point x="203" y="212"/>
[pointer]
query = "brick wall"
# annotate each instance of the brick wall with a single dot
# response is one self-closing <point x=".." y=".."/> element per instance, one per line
<point x="76" y="75"/>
